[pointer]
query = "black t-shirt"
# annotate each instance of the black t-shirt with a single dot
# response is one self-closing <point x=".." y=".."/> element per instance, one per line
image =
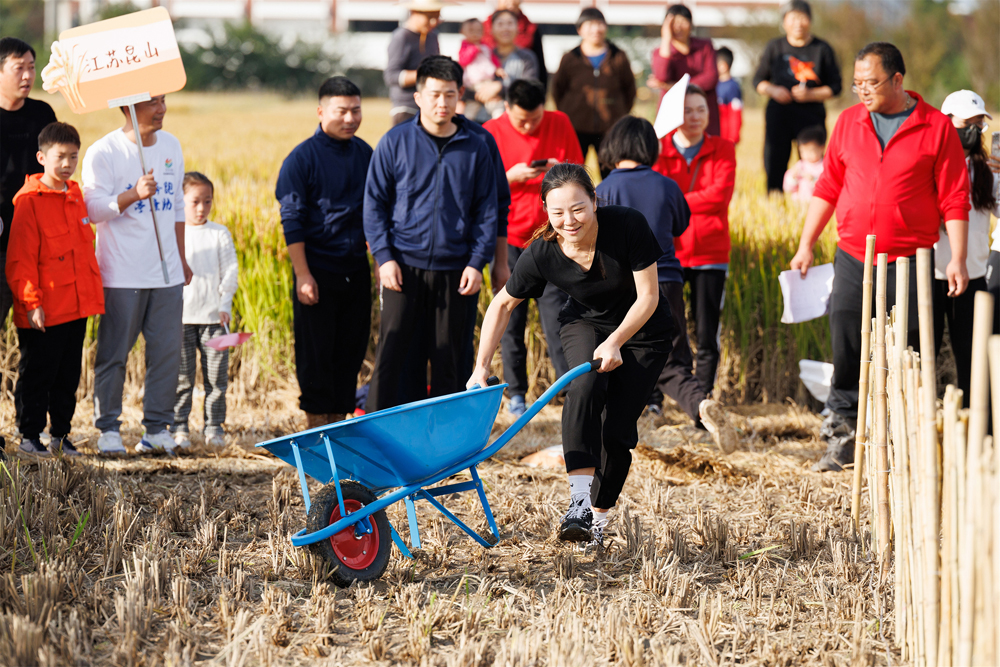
<point x="603" y="295"/>
<point x="815" y="62"/>
<point x="18" y="146"/>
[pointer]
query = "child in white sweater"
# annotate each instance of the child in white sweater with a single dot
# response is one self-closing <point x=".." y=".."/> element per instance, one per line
<point x="208" y="306"/>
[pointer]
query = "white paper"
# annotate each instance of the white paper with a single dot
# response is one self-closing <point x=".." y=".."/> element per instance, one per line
<point x="817" y="376"/>
<point x="806" y="298"/>
<point x="670" y="115"/>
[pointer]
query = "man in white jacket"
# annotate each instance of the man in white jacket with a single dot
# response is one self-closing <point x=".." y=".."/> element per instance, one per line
<point x="121" y="200"/>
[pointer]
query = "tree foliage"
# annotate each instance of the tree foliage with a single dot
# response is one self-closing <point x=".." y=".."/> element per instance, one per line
<point x="246" y="58"/>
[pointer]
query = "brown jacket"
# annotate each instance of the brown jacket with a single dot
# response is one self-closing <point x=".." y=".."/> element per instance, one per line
<point x="594" y="99"/>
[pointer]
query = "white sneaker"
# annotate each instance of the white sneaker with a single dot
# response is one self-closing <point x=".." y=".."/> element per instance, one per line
<point x="110" y="442"/>
<point x="158" y="442"/>
<point x="218" y="440"/>
<point x="182" y="440"/>
<point x="716" y="420"/>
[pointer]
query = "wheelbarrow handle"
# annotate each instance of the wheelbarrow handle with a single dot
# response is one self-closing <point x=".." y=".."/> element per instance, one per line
<point x="537" y="406"/>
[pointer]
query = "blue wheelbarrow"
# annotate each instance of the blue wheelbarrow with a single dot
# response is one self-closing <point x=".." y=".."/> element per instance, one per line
<point x="371" y="462"/>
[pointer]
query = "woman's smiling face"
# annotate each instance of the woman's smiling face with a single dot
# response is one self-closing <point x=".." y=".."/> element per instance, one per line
<point x="571" y="212"/>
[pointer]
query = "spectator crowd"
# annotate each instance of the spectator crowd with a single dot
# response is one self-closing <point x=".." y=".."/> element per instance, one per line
<point x="456" y="188"/>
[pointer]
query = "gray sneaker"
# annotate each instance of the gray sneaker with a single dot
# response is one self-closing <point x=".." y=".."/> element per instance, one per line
<point x="838" y="432"/>
<point x="33" y="448"/>
<point x="63" y="446"/>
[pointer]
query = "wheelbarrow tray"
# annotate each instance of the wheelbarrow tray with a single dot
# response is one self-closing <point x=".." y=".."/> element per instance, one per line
<point x="401" y="446"/>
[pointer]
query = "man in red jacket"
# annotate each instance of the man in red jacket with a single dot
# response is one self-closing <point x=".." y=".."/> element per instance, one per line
<point x="530" y="140"/>
<point x="894" y="167"/>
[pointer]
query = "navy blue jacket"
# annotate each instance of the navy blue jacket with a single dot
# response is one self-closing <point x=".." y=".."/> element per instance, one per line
<point x="659" y="199"/>
<point x="503" y="187"/>
<point x="428" y="209"/>
<point x="321" y="193"/>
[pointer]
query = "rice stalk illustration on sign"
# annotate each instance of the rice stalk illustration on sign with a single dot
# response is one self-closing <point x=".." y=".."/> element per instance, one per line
<point x="120" y="57"/>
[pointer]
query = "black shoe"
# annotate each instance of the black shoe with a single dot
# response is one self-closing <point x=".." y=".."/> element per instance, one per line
<point x="3" y="448"/>
<point x="64" y="446"/>
<point x="575" y="525"/>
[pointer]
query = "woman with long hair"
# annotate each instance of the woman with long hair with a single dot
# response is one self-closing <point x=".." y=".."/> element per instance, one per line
<point x="604" y="258"/>
<point x="968" y="115"/>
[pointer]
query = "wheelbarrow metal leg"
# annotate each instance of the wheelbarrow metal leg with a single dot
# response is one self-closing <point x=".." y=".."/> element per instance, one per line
<point x="454" y="519"/>
<point x="336" y="476"/>
<point x="302" y="476"/>
<point x="411" y="515"/>
<point x="486" y="503"/>
<point x="400" y="544"/>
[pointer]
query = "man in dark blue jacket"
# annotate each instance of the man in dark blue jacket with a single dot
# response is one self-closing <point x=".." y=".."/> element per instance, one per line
<point x="431" y="224"/>
<point x="321" y="193"/>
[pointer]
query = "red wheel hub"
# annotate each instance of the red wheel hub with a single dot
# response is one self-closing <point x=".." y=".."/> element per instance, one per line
<point x="356" y="553"/>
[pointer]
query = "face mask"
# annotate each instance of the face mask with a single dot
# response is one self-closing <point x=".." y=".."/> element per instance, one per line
<point x="970" y="136"/>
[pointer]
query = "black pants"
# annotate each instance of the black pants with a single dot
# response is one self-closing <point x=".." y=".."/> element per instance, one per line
<point x="588" y="139"/>
<point x="782" y="124"/>
<point x="958" y="311"/>
<point x="601" y="410"/>
<point x="708" y="292"/>
<point x="427" y="321"/>
<point x="49" y="373"/>
<point x="512" y="346"/>
<point x="331" y="338"/>
<point x="845" y="326"/>
<point x="677" y="379"/>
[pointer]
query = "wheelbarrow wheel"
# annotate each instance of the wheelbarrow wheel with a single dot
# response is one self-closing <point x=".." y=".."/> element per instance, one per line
<point x="353" y="558"/>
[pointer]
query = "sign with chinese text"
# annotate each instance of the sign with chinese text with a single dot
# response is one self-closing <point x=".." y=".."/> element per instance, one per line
<point x="120" y="57"/>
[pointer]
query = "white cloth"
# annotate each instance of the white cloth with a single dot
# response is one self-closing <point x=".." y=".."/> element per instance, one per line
<point x="978" y="252"/>
<point x="126" y="246"/>
<point x="212" y="257"/>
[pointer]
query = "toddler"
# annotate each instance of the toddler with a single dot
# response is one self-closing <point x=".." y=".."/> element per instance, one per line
<point x="480" y="64"/>
<point x="208" y="306"/>
<point x="801" y="178"/>
<point x="53" y="275"/>
<point x="730" y="97"/>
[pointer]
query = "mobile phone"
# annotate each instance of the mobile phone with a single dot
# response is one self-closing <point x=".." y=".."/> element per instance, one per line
<point x="538" y="164"/>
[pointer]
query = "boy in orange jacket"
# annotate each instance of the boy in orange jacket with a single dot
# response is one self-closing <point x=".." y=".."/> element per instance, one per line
<point x="53" y="274"/>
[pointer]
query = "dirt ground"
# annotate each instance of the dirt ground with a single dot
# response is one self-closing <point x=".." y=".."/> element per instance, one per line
<point x="744" y="559"/>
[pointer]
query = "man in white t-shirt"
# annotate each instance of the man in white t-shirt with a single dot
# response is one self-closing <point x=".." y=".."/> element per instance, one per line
<point x="121" y="201"/>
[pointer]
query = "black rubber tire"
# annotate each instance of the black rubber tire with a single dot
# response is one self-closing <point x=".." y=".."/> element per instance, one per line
<point x="323" y="505"/>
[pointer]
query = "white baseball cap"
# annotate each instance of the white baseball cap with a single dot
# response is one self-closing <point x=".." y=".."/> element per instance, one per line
<point x="964" y="104"/>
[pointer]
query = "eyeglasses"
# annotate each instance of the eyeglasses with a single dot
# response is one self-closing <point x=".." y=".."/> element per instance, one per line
<point x="867" y="87"/>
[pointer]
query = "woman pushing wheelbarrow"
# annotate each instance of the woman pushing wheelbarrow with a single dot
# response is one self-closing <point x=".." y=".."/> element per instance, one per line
<point x="605" y="260"/>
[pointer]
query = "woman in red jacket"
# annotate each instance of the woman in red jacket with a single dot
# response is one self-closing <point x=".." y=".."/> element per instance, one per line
<point x="705" y="169"/>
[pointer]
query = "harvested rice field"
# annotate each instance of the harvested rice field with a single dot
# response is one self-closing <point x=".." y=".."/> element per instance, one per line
<point x="747" y="559"/>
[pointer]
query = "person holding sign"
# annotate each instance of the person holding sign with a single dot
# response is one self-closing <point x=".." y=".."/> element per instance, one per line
<point x="121" y="203"/>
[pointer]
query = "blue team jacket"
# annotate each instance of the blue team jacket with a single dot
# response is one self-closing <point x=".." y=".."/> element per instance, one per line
<point x="659" y="199"/>
<point x="429" y="209"/>
<point x="321" y="191"/>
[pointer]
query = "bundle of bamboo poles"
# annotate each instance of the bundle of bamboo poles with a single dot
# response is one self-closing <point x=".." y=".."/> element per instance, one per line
<point x="933" y="477"/>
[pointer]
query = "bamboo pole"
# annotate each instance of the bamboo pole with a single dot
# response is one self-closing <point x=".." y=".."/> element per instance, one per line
<point x="949" y="531"/>
<point x="880" y="436"/>
<point x="860" y="438"/>
<point x="930" y="509"/>
<point x="902" y="322"/>
<point x="994" y="484"/>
